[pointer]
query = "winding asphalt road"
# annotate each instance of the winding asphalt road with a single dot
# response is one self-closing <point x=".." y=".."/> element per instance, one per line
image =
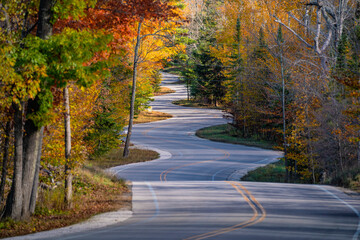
<point x="189" y="193"/>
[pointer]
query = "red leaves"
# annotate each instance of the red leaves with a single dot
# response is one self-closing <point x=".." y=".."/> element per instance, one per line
<point x="117" y="15"/>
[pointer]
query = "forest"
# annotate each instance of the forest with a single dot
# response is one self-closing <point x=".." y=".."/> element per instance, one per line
<point x="67" y="76"/>
<point x="287" y="72"/>
<point x="75" y="73"/>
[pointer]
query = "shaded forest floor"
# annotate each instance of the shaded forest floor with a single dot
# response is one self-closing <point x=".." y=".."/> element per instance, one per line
<point x="95" y="192"/>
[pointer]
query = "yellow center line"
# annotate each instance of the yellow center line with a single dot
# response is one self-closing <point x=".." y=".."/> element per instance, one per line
<point x="252" y="221"/>
<point x="249" y="198"/>
<point x="263" y="211"/>
<point x="163" y="175"/>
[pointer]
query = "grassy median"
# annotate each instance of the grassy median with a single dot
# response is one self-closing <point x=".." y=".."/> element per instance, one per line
<point x="194" y="104"/>
<point x="227" y="133"/>
<point x="273" y="172"/>
<point x="153" y="116"/>
<point x="164" y="91"/>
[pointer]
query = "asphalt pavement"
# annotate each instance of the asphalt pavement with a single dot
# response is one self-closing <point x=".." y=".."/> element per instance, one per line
<point x="191" y="192"/>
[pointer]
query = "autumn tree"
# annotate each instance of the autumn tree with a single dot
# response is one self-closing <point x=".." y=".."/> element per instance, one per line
<point x="157" y="12"/>
<point x="37" y="65"/>
<point x="288" y="78"/>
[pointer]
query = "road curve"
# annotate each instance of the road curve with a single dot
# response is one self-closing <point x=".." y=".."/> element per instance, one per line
<point x="187" y="194"/>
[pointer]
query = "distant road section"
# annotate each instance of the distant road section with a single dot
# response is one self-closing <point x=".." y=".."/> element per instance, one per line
<point x="187" y="194"/>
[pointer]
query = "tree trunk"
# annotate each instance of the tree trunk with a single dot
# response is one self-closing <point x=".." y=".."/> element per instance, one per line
<point x="133" y="93"/>
<point x="287" y="177"/>
<point x="14" y="199"/>
<point x="68" y="173"/>
<point x="32" y="140"/>
<point x="309" y="147"/>
<point x="19" y="203"/>
<point x="5" y="160"/>
<point x="188" y="89"/>
<point x="34" y="191"/>
<point x="34" y="134"/>
<point x="45" y="26"/>
<point x="358" y="152"/>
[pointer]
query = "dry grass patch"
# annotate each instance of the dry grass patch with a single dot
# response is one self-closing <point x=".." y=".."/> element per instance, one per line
<point x="146" y="117"/>
<point x="95" y="192"/>
<point x="195" y="104"/>
<point x="164" y="91"/>
<point x="115" y="158"/>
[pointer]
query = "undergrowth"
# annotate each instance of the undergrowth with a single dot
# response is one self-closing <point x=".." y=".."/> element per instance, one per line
<point x="94" y="192"/>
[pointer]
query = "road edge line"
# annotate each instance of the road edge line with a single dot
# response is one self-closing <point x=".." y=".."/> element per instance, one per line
<point x="357" y="233"/>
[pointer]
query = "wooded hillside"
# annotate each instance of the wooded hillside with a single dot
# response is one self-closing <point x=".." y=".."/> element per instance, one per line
<point x="287" y="71"/>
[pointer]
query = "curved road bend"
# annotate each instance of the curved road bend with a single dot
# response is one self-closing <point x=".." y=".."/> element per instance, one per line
<point x="188" y="195"/>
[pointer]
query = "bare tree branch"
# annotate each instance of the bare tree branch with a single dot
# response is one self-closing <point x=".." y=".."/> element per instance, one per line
<point x="318" y="30"/>
<point x="327" y="41"/>
<point x="295" y="33"/>
<point x="304" y="24"/>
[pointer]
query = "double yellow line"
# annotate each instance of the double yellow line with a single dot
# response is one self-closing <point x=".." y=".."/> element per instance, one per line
<point x="259" y="214"/>
<point x="163" y="175"/>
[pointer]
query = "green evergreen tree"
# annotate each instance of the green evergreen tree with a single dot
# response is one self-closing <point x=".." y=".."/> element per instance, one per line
<point x="208" y="85"/>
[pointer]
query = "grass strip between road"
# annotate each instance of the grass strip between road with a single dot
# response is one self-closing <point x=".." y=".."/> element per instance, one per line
<point x="273" y="172"/>
<point x="194" y="104"/>
<point x="153" y="116"/>
<point x="115" y="158"/>
<point x="227" y="133"/>
<point x="164" y="91"/>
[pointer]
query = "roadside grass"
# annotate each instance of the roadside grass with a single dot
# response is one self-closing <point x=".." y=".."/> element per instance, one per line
<point x="173" y="70"/>
<point x="274" y="172"/>
<point x="195" y="104"/>
<point x="354" y="183"/>
<point x="164" y="91"/>
<point x="349" y="179"/>
<point x="146" y="117"/>
<point x="115" y="158"/>
<point x="95" y="192"/>
<point x="227" y="133"/>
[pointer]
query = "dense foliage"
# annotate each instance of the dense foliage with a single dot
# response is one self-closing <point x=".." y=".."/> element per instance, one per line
<point x="286" y="71"/>
<point x="65" y="85"/>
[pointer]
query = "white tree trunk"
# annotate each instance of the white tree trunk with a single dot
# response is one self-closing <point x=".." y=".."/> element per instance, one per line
<point x="133" y="93"/>
<point x="68" y="173"/>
